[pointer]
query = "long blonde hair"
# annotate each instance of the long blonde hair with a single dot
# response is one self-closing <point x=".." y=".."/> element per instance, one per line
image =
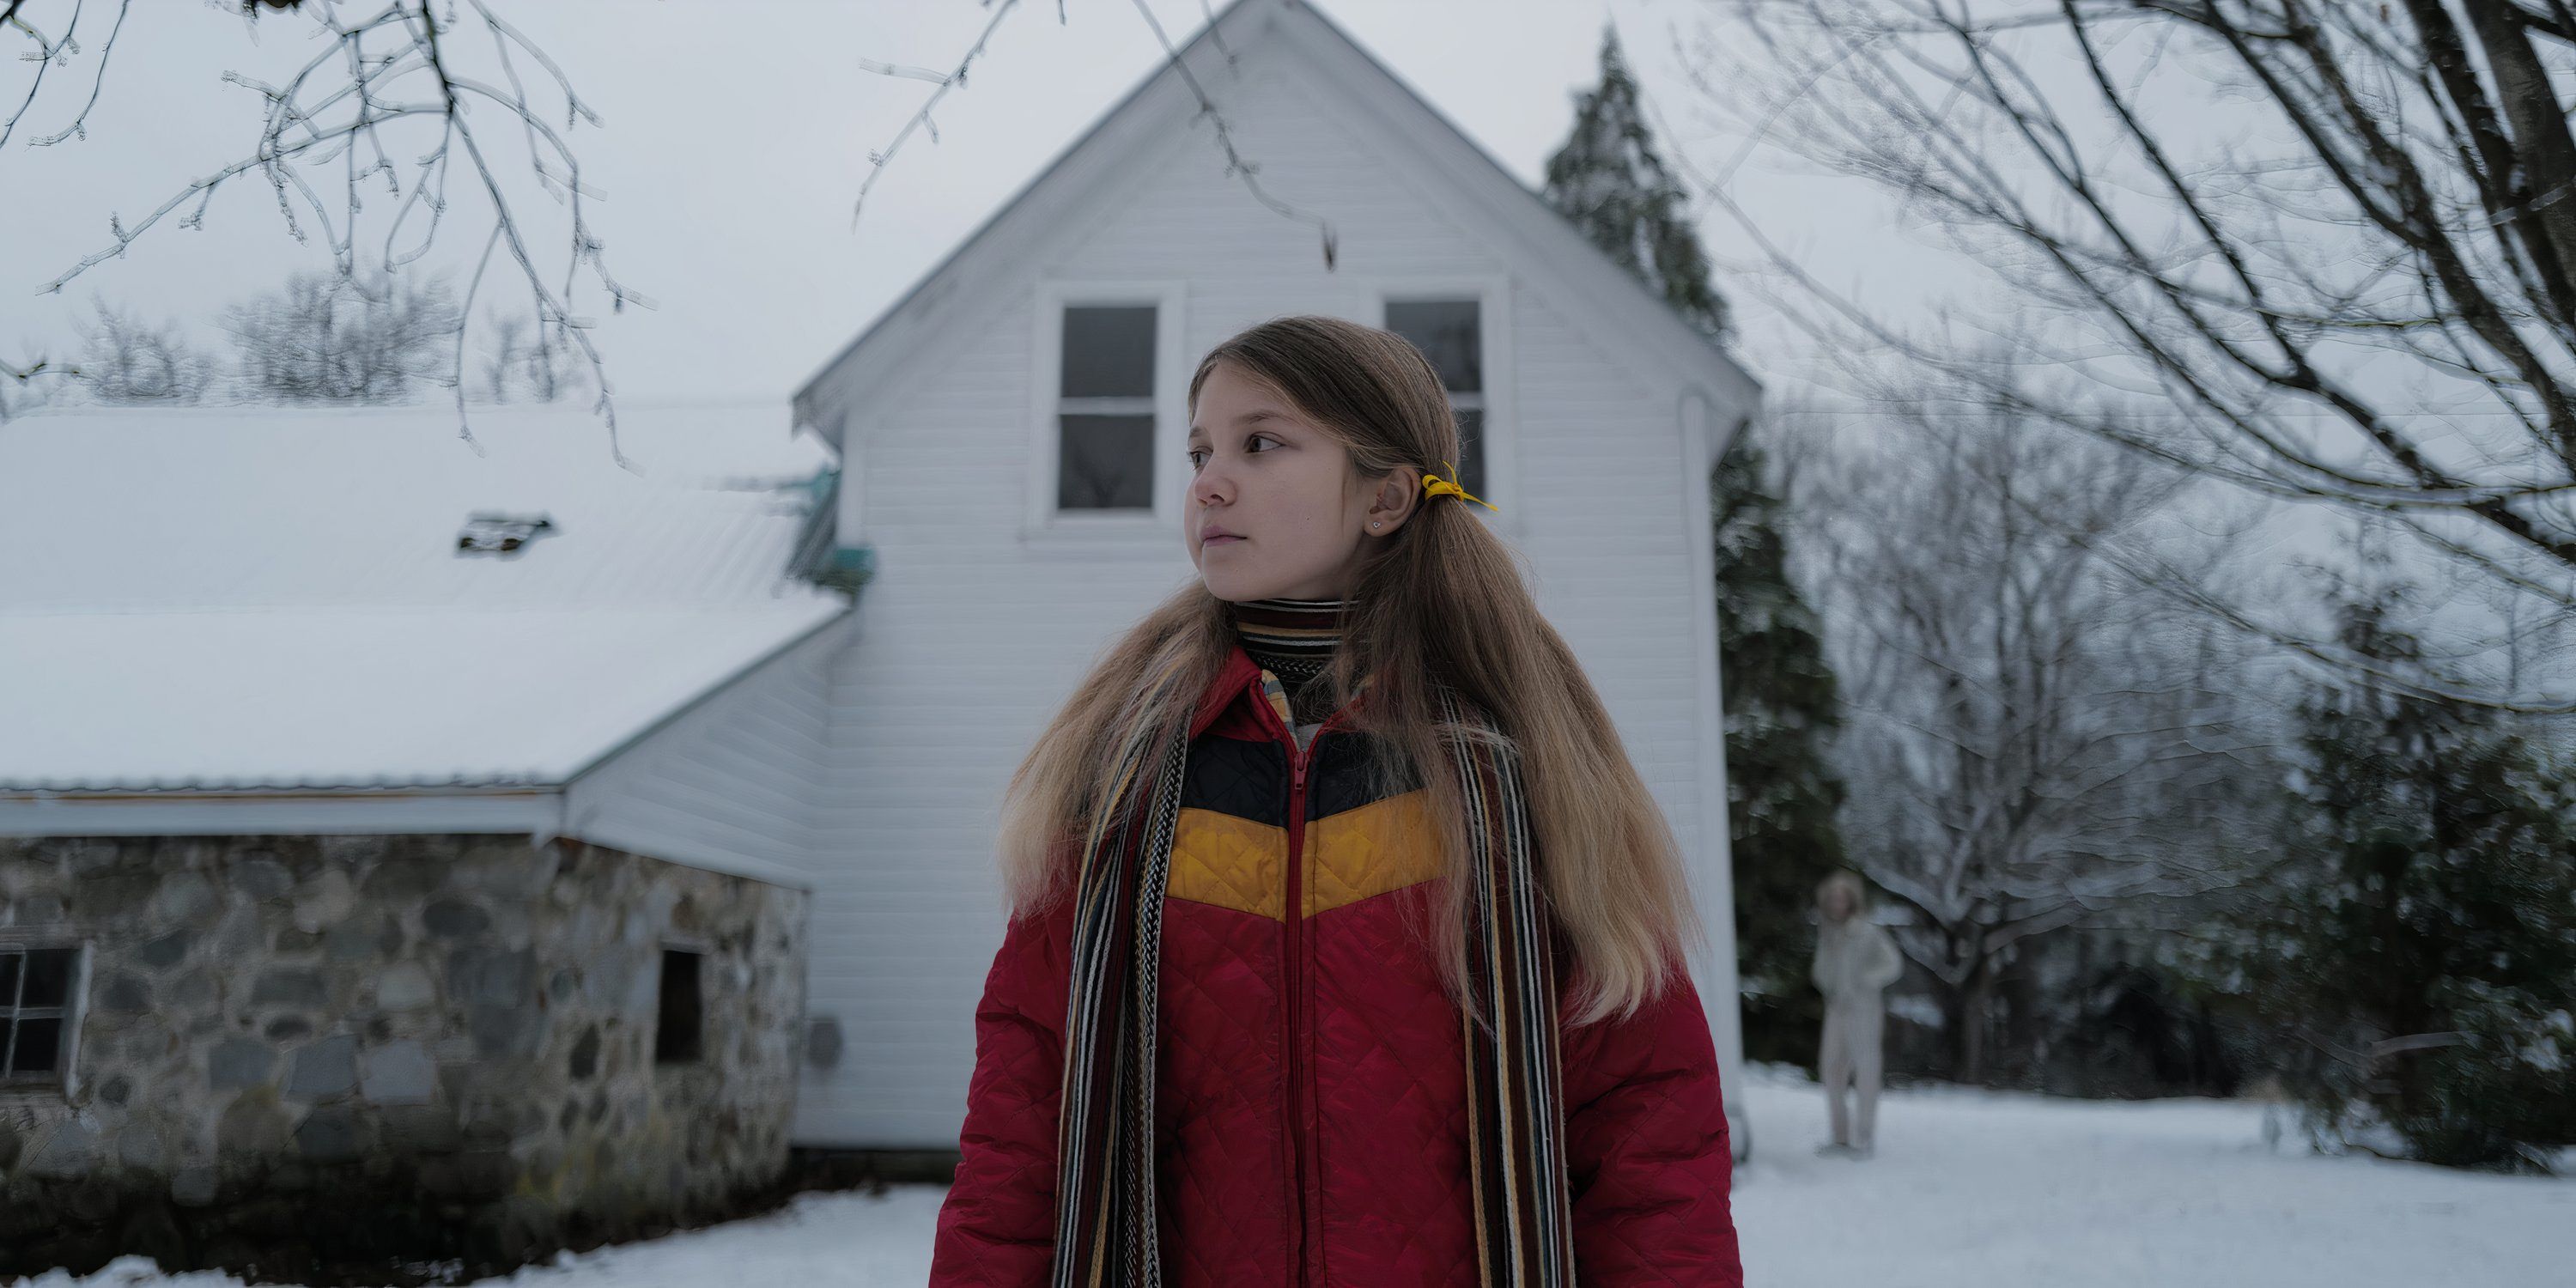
<point x="1442" y="600"/>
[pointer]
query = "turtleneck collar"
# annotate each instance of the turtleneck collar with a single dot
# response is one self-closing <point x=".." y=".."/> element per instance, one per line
<point x="1290" y="627"/>
<point x="1293" y="639"/>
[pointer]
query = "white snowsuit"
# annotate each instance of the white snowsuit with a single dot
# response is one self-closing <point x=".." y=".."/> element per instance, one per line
<point x="1855" y="962"/>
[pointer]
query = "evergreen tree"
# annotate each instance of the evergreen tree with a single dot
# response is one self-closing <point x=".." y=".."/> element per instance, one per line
<point x="1779" y="695"/>
<point x="1781" y="705"/>
<point x="2420" y="954"/>
<point x="1609" y="182"/>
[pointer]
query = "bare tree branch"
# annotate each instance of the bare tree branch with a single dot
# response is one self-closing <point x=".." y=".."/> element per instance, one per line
<point x="1235" y="163"/>
<point x="391" y="66"/>
<point x="2337" y="310"/>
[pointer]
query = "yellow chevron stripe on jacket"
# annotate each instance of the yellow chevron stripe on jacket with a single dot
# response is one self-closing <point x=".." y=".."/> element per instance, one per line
<point x="1352" y="855"/>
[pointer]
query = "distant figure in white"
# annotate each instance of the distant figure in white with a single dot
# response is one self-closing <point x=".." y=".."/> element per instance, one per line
<point x="1855" y="962"/>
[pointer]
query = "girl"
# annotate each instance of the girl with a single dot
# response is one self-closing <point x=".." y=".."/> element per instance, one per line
<point x="1345" y="944"/>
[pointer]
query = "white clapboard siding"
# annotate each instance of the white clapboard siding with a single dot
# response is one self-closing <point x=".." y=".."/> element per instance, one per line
<point x="974" y="629"/>
<point x="730" y="781"/>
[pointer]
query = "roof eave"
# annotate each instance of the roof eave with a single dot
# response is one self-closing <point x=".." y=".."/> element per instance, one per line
<point x="233" y="811"/>
<point x="1604" y="285"/>
<point x="1115" y="131"/>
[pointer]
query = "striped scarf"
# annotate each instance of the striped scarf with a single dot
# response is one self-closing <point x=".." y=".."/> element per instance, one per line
<point x="1108" y="1222"/>
<point x="1294" y="640"/>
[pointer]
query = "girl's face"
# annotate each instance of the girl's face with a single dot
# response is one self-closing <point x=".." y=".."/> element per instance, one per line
<point x="1275" y="510"/>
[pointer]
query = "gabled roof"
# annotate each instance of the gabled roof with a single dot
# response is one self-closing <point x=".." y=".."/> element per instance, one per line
<point x="229" y="598"/>
<point x="1539" y="241"/>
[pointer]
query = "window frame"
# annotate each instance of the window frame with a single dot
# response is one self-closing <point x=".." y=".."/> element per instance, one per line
<point x="1500" y="429"/>
<point x="74" y="1012"/>
<point x="1042" y="521"/>
<point x="698" y="950"/>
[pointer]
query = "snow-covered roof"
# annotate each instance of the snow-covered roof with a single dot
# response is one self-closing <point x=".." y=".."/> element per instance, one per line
<point x="269" y="598"/>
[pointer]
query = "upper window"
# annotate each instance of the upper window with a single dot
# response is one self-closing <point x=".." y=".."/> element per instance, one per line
<point x="1451" y="333"/>
<point x="35" y="997"/>
<point x="1105" y="408"/>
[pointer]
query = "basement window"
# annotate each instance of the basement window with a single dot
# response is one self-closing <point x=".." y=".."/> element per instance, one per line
<point x="35" y="1010"/>
<point x="680" y="1030"/>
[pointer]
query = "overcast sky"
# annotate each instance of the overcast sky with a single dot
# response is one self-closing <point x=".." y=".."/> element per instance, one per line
<point x="735" y="139"/>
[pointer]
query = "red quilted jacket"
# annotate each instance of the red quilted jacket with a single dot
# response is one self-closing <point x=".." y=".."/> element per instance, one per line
<point x="1310" y="1090"/>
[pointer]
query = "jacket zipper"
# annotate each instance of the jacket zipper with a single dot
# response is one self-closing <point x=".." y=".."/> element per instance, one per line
<point x="1293" y="1044"/>
<point x="1294" y="1047"/>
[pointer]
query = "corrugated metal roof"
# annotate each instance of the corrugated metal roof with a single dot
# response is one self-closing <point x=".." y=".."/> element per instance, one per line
<point x="200" y="598"/>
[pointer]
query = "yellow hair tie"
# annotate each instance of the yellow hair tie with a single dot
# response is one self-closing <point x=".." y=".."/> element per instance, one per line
<point x="1435" y="486"/>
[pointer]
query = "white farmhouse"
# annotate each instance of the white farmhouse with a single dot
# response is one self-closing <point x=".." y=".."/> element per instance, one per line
<point x="565" y="841"/>
<point x="1011" y="434"/>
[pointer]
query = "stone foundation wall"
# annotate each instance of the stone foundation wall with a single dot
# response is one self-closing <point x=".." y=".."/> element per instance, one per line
<point x="318" y="1054"/>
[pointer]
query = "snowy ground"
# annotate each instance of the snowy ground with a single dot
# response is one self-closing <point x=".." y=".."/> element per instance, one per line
<point x="1973" y="1189"/>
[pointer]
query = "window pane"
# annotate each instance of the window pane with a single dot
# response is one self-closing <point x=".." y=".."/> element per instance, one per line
<point x="675" y="1038"/>
<point x="1471" y="448"/>
<point x="9" y="978"/>
<point x="1108" y="351"/>
<point x="1105" y="463"/>
<point x="49" y="976"/>
<point x="1447" y="333"/>
<point x="39" y="1041"/>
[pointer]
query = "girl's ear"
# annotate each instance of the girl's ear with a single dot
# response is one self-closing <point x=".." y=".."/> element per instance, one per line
<point x="1395" y="501"/>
